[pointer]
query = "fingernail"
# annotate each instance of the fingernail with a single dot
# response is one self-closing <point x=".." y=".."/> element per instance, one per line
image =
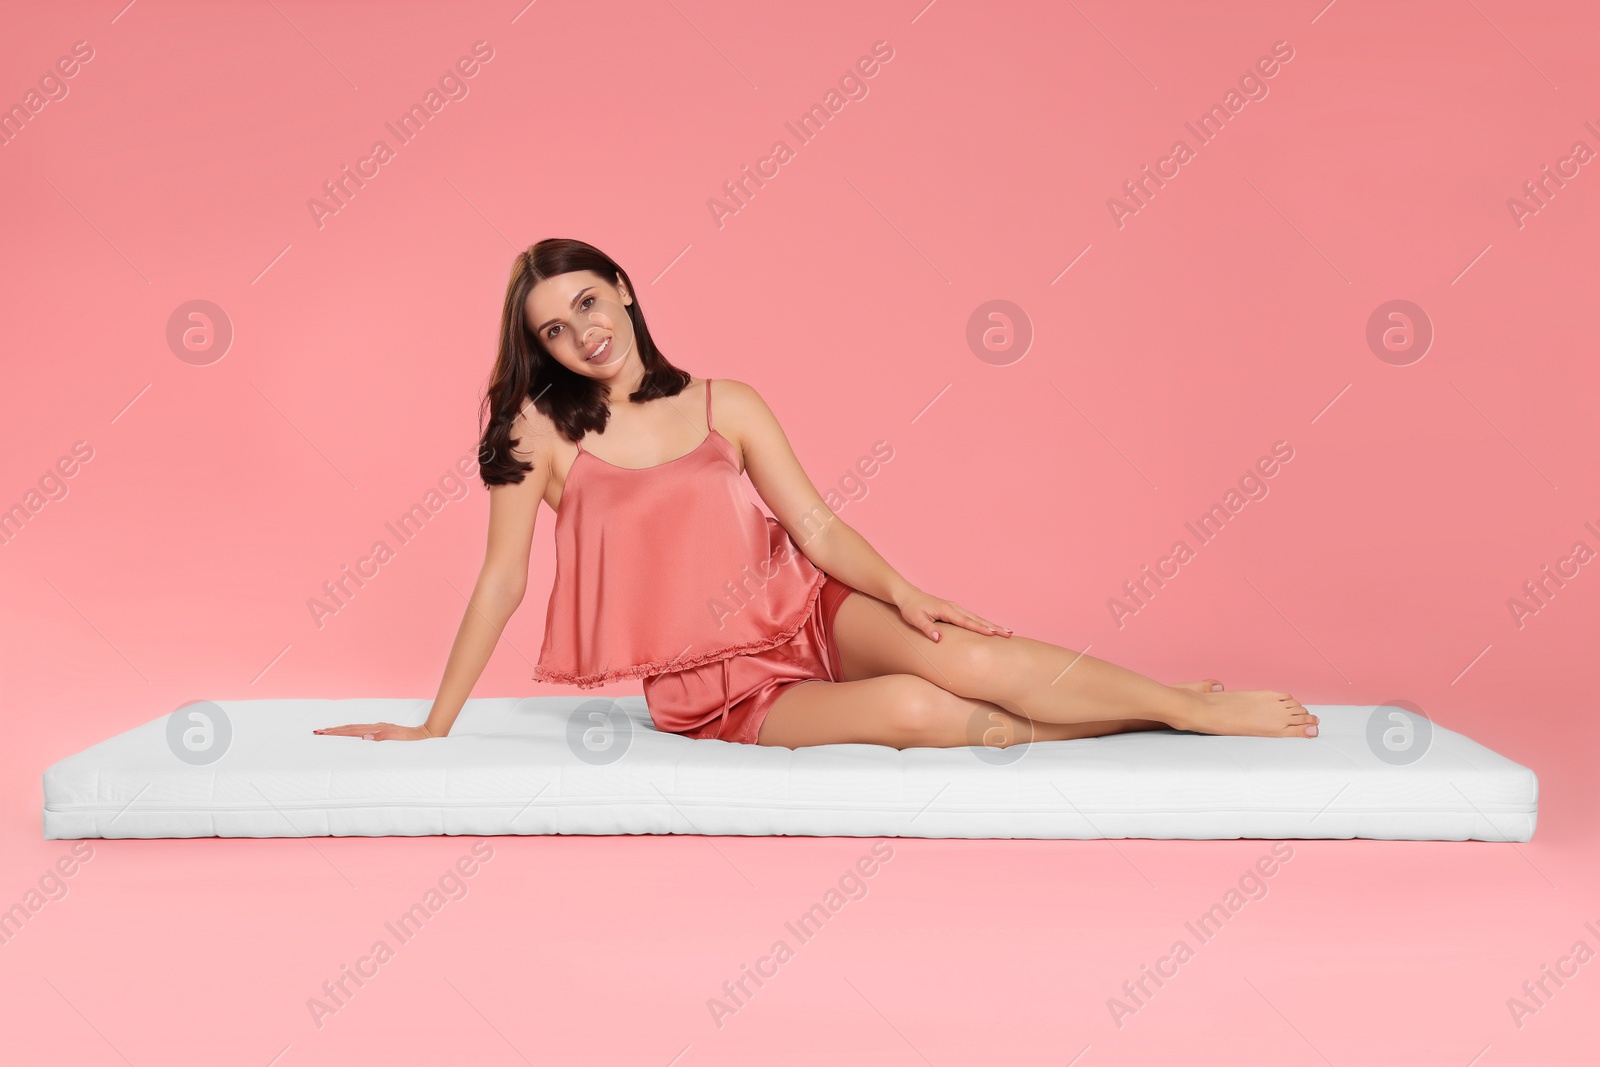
<point x="936" y="635"/>
<point x="1216" y="688"/>
<point x="366" y="737"/>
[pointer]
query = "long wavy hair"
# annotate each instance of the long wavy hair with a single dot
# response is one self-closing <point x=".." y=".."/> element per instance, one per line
<point x="525" y="370"/>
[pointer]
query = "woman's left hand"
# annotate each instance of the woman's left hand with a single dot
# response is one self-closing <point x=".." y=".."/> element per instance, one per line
<point x="922" y="610"/>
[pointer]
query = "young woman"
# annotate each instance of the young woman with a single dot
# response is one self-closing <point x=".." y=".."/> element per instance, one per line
<point x="789" y="631"/>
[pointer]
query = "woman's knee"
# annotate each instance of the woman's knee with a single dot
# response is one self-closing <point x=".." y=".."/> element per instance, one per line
<point x="918" y="713"/>
<point x="977" y="663"/>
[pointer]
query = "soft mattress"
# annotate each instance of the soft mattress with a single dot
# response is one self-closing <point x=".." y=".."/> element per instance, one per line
<point x="587" y="765"/>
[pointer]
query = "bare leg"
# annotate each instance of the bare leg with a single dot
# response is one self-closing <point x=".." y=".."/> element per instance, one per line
<point x="905" y="711"/>
<point x="1047" y="683"/>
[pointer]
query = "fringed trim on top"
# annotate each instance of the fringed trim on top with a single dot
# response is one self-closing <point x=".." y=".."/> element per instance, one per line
<point x="541" y="673"/>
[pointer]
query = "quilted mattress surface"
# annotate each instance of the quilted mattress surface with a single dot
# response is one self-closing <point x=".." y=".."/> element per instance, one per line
<point x="588" y="765"/>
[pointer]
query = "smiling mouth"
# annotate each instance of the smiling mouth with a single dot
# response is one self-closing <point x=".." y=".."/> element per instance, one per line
<point x="599" y="353"/>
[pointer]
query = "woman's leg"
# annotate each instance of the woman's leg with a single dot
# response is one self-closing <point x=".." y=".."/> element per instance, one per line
<point x="905" y="711"/>
<point x="1046" y="683"/>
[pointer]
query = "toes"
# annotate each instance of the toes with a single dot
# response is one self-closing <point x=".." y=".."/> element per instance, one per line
<point x="1302" y="730"/>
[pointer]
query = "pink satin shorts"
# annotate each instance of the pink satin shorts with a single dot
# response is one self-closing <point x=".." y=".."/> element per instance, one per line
<point x="692" y="702"/>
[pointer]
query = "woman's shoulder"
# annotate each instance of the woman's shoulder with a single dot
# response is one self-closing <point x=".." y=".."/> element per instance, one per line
<point x="535" y="434"/>
<point x="730" y="394"/>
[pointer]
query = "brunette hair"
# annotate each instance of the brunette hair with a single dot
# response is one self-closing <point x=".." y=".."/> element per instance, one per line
<point x="524" y="370"/>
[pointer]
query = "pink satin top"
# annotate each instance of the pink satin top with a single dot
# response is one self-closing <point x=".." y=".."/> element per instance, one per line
<point x="667" y="567"/>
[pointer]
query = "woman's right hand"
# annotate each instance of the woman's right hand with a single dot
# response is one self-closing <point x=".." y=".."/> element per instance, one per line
<point x="377" y="731"/>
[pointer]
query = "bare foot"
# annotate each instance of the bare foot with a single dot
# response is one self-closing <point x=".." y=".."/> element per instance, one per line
<point x="1204" y="685"/>
<point x="1248" y="713"/>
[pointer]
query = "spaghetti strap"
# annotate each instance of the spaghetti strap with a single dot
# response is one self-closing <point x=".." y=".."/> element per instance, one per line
<point x="708" y="405"/>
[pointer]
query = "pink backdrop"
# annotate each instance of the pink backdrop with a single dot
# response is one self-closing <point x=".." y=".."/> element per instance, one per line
<point x="1172" y="342"/>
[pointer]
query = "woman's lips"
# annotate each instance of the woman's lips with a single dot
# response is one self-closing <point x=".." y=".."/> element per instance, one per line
<point x="600" y="352"/>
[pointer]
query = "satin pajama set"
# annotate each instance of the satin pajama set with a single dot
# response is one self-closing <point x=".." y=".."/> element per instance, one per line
<point x="673" y="575"/>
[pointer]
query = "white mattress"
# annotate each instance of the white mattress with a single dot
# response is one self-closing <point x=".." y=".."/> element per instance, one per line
<point x="524" y="766"/>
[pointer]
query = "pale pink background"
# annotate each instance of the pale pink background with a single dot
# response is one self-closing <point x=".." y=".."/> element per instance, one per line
<point x="1225" y="316"/>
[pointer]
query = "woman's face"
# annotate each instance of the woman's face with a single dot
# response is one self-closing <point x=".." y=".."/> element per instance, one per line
<point x="581" y="320"/>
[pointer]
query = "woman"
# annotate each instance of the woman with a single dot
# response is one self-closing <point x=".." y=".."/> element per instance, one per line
<point x="666" y="571"/>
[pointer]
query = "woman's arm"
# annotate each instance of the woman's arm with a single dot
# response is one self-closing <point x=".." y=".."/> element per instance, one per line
<point x="501" y="582"/>
<point x="827" y="540"/>
<point x="513" y="510"/>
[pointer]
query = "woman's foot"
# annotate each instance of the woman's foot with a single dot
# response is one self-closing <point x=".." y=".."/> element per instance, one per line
<point x="1246" y="713"/>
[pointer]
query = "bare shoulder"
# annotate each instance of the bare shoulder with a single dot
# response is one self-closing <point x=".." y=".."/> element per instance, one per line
<point x="739" y="402"/>
<point x="744" y="419"/>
